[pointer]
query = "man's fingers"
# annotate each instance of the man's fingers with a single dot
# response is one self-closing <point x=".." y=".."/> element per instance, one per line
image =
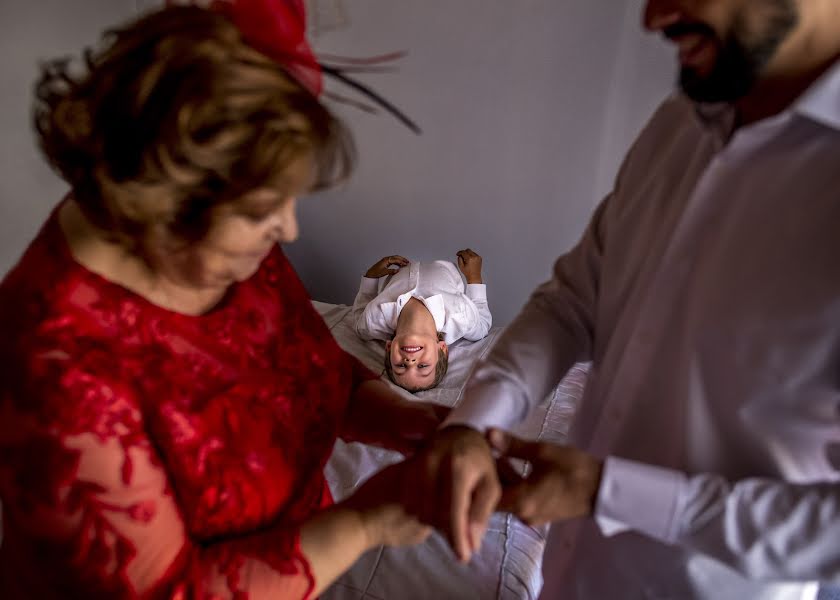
<point x="508" y="474"/>
<point x="519" y="500"/>
<point x="510" y="445"/>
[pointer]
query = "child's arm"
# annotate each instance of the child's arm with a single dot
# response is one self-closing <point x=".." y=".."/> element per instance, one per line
<point x="368" y="289"/>
<point x="469" y="262"/>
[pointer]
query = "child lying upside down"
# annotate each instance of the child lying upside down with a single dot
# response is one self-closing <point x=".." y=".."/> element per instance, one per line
<point x="420" y="309"/>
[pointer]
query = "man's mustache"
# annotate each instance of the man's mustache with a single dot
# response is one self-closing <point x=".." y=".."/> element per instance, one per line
<point x="678" y="30"/>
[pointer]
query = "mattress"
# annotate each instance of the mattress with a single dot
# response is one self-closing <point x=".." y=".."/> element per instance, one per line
<point x="508" y="566"/>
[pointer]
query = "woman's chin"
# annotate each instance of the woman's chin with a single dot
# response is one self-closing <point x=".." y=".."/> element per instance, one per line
<point x="243" y="274"/>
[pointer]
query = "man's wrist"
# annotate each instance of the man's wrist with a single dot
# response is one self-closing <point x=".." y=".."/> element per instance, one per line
<point x="590" y="479"/>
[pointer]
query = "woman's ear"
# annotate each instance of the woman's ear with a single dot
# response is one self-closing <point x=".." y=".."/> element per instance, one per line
<point x="388" y="347"/>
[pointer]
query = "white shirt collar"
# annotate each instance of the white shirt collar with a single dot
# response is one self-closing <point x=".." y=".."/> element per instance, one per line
<point x="434" y="303"/>
<point x="819" y="103"/>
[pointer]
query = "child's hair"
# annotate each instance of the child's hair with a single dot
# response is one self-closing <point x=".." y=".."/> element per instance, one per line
<point x="440" y="369"/>
<point x="174" y="115"/>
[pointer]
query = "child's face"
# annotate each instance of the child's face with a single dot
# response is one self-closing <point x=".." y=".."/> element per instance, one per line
<point x="413" y="359"/>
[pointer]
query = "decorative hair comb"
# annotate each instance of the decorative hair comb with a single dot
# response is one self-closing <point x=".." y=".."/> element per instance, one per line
<point x="277" y="28"/>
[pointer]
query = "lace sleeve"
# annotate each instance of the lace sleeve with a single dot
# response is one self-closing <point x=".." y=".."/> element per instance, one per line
<point x="89" y="510"/>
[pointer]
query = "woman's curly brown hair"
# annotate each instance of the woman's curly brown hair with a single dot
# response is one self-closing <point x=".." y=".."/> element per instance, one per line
<point x="173" y="115"/>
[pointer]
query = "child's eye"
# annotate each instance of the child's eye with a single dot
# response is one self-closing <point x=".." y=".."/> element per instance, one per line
<point x="422" y="366"/>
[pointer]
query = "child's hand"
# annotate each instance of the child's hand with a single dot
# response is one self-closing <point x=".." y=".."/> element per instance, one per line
<point x="380" y="269"/>
<point x="470" y="264"/>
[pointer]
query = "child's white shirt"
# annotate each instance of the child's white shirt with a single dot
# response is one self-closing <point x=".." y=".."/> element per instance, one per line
<point x="459" y="310"/>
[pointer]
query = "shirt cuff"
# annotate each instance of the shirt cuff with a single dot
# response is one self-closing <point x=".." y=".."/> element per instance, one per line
<point x="477" y="291"/>
<point x="640" y="497"/>
<point x="369" y="285"/>
<point x="486" y="405"/>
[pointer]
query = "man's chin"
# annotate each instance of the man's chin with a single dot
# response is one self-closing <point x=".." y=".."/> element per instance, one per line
<point x="713" y="89"/>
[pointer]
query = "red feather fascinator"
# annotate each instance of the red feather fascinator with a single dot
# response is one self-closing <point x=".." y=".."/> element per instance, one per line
<point x="277" y="28"/>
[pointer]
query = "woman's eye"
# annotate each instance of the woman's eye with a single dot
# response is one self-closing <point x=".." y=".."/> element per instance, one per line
<point x="256" y="217"/>
<point x="422" y="366"/>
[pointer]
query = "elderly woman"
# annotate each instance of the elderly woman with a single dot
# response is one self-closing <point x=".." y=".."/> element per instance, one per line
<point x="169" y="396"/>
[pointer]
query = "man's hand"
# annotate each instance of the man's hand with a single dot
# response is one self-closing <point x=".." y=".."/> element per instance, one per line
<point x="455" y="487"/>
<point x="381" y="268"/>
<point x="563" y="482"/>
<point x="470" y="265"/>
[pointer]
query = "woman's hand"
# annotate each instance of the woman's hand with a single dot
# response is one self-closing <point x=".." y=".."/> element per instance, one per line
<point x="414" y="423"/>
<point x="382" y="267"/>
<point x="469" y="263"/>
<point x="384" y="519"/>
<point x="379" y="416"/>
<point x="336" y="537"/>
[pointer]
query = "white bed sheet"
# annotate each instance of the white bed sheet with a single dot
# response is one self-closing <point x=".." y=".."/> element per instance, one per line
<point x="508" y="566"/>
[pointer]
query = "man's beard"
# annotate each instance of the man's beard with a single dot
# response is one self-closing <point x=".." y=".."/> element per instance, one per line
<point x="742" y="56"/>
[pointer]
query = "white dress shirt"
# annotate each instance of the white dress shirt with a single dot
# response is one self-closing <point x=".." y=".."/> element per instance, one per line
<point x="459" y="311"/>
<point x="706" y="293"/>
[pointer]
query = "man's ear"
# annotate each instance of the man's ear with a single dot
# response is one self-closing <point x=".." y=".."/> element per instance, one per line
<point x="442" y="345"/>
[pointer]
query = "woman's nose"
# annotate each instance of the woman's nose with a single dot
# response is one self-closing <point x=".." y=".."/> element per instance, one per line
<point x="284" y="225"/>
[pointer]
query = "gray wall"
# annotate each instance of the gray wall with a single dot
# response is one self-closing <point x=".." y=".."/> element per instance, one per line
<point x="32" y="31"/>
<point x="526" y="106"/>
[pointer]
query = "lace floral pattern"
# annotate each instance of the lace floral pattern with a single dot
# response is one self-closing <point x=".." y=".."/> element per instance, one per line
<point x="148" y="453"/>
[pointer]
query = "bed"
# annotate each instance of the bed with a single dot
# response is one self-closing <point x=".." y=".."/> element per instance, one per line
<point x="509" y="564"/>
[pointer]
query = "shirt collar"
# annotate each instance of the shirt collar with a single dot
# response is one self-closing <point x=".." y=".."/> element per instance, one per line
<point x="435" y="304"/>
<point x="717" y="117"/>
<point x="820" y="103"/>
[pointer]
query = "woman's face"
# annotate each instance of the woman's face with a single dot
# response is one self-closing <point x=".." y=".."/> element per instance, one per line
<point x="240" y="236"/>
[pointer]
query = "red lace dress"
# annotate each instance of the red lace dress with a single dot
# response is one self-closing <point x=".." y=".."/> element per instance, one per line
<point x="144" y="453"/>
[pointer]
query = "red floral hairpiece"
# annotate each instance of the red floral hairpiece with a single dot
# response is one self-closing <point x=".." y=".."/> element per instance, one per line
<point x="277" y="28"/>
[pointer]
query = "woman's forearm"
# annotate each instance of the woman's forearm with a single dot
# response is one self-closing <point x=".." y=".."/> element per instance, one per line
<point x="380" y="416"/>
<point x="332" y="541"/>
<point x="370" y="412"/>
